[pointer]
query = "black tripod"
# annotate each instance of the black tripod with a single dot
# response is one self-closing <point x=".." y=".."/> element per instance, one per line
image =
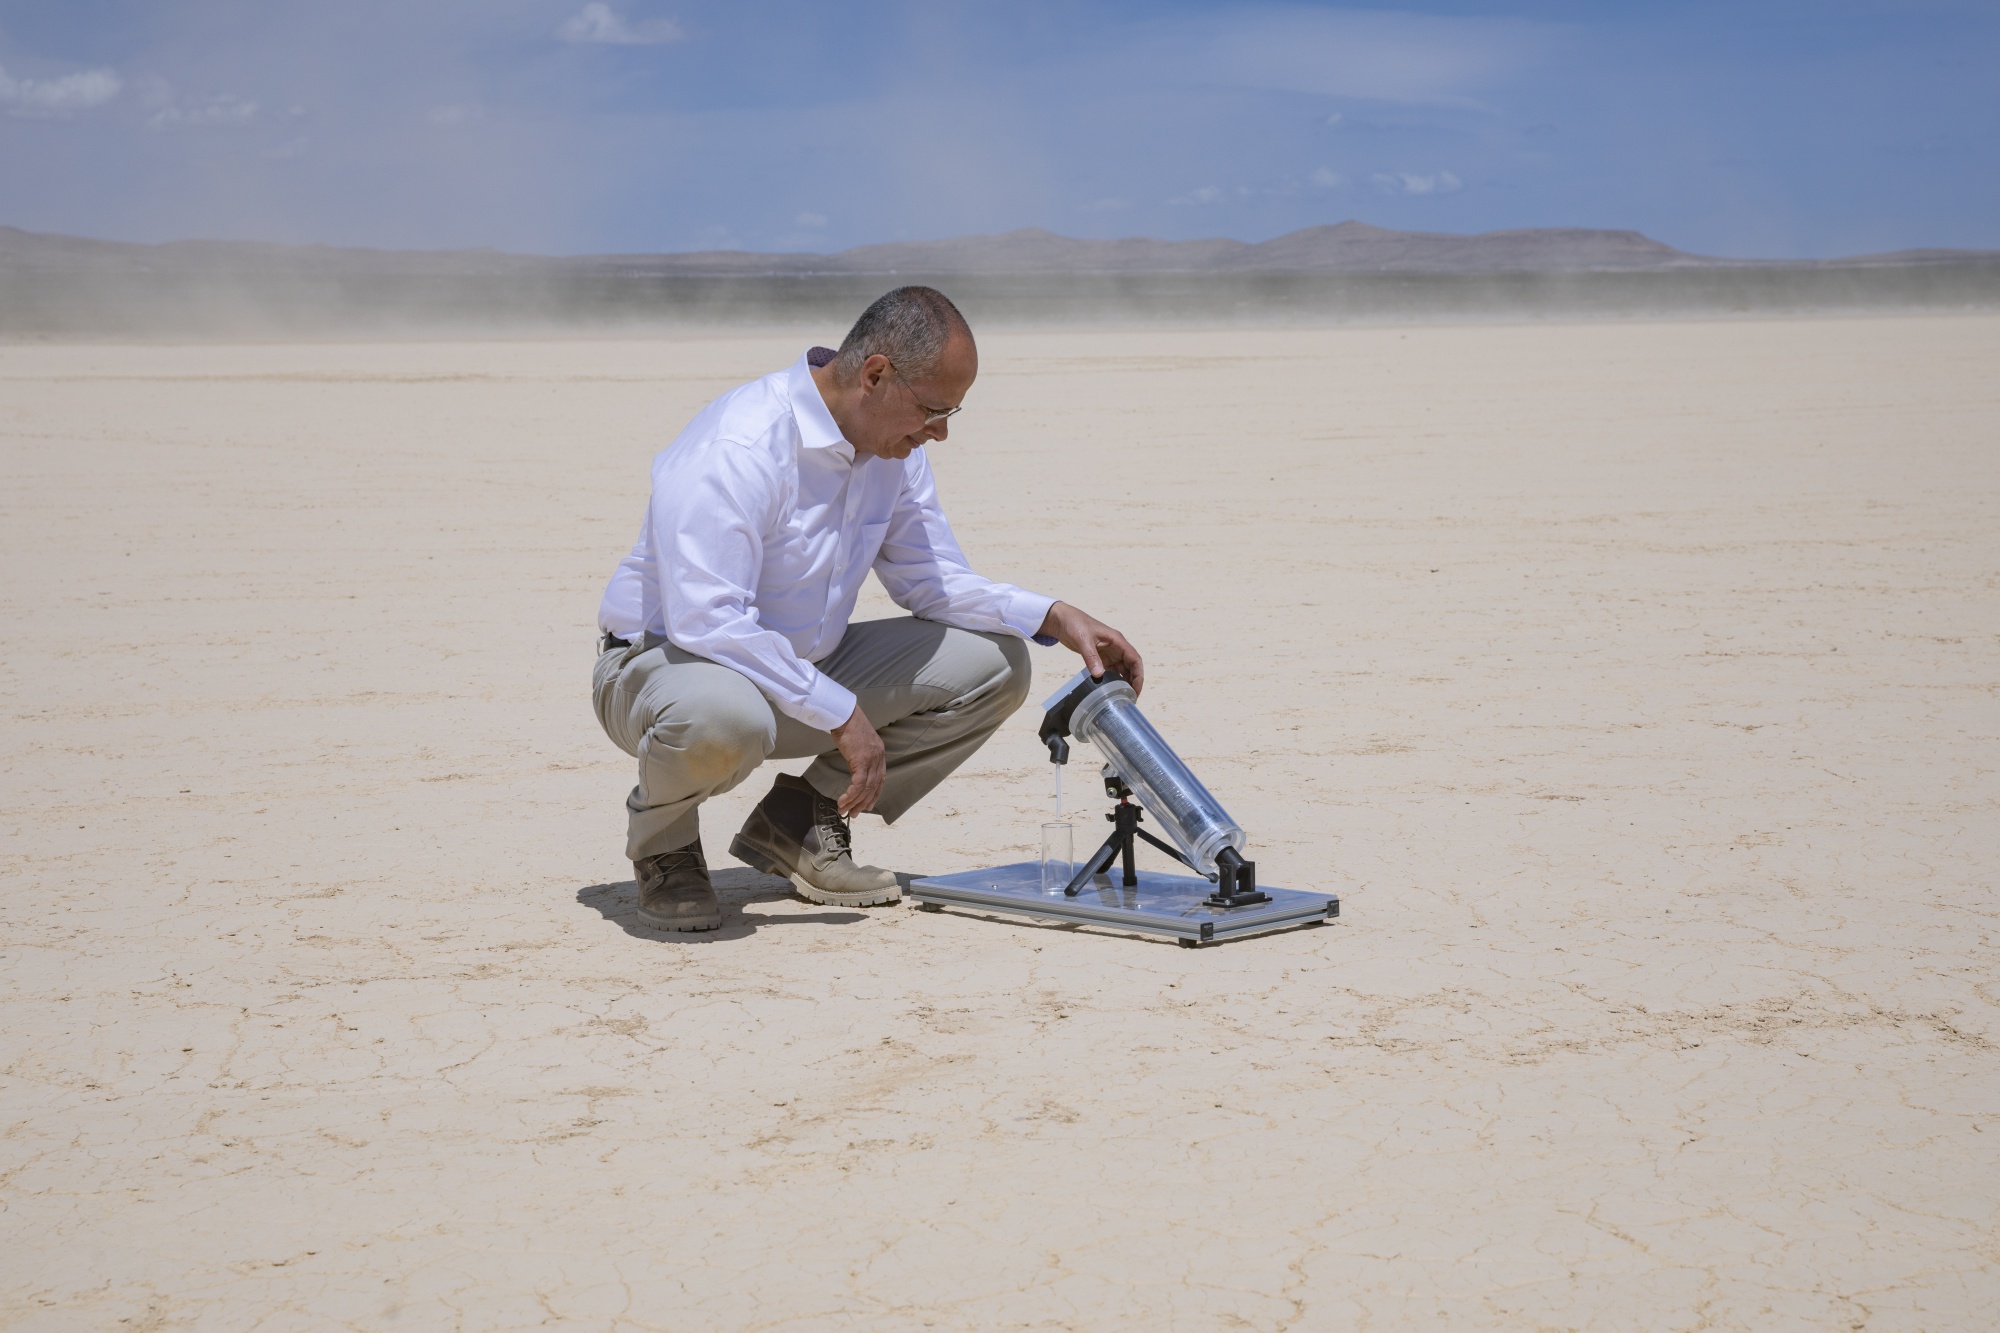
<point x="1236" y="878"/>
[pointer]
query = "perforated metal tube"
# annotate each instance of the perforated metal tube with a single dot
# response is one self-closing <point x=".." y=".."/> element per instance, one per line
<point x="1109" y="718"/>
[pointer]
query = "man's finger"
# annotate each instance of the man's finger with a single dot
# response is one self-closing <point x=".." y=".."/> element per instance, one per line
<point x="864" y="788"/>
<point x="1128" y="661"/>
<point x="851" y="796"/>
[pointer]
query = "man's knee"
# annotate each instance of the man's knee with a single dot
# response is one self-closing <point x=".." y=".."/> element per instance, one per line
<point x="719" y="740"/>
<point x="994" y="671"/>
<point x="1020" y="670"/>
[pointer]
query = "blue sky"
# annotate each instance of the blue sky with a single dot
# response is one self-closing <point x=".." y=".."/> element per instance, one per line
<point x="560" y="126"/>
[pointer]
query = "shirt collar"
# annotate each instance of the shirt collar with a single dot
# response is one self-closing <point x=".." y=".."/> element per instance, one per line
<point x="816" y="425"/>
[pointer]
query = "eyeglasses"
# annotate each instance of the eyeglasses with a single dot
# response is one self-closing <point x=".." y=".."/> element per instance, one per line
<point x="932" y="415"/>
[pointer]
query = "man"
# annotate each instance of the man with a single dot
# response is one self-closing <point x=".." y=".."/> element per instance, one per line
<point x="726" y="636"/>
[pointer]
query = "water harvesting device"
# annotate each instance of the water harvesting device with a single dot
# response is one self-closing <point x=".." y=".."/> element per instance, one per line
<point x="1142" y="775"/>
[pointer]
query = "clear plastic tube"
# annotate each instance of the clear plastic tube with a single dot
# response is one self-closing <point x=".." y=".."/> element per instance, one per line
<point x="1109" y="718"/>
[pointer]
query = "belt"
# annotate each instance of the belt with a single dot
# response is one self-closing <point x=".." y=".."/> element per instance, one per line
<point x="610" y="641"/>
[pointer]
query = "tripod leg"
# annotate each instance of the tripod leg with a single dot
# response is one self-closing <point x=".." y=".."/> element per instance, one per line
<point x="1170" y="851"/>
<point x="1100" y="861"/>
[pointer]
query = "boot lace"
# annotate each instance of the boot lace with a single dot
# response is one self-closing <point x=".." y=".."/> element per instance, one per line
<point x="683" y="858"/>
<point x="834" y="837"/>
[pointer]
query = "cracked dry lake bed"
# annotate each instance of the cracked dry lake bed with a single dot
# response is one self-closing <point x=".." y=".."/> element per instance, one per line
<point x="1635" y="686"/>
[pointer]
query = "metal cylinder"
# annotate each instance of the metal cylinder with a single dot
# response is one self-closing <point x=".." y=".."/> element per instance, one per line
<point x="1109" y="718"/>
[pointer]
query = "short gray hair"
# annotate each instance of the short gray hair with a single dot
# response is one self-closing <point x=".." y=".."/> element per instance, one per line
<point x="910" y="326"/>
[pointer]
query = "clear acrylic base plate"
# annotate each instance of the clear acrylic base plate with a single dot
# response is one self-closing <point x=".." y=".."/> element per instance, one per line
<point x="1159" y="904"/>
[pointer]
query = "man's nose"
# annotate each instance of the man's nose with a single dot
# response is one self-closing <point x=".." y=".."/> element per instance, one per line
<point x="937" y="430"/>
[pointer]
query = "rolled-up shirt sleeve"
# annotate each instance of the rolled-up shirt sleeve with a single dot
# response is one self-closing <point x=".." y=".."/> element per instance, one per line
<point x="708" y="526"/>
<point x="926" y="574"/>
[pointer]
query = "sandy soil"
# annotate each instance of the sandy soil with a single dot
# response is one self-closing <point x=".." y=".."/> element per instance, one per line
<point x="1633" y="685"/>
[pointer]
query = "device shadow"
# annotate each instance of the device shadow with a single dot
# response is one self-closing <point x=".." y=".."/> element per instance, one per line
<point x="738" y="890"/>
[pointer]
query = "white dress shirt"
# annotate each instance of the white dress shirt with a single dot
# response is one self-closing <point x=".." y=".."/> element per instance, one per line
<point x="763" y="524"/>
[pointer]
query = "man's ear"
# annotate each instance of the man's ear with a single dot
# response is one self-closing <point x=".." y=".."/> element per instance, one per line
<point x="872" y="371"/>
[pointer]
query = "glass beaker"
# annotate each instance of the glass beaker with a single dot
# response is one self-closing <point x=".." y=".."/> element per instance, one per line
<point x="1058" y="855"/>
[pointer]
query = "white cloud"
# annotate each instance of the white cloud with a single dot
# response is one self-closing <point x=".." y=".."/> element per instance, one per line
<point x="1408" y="182"/>
<point x="809" y="220"/>
<point x="224" y="109"/>
<point x="1207" y="194"/>
<point x="58" y="97"/>
<point x="601" y="25"/>
<point x="1327" y="179"/>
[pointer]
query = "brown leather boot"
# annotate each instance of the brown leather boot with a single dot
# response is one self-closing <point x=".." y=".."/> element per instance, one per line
<point x="798" y="833"/>
<point x="674" y="892"/>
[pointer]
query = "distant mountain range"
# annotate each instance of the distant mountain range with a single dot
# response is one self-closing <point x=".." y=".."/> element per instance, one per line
<point x="1348" y="247"/>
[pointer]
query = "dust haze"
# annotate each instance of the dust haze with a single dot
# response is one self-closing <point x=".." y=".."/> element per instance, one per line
<point x="64" y="288"/>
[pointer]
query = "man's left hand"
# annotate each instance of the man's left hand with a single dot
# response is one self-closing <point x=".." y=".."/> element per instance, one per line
<point x="1097" y="643"/>
<point x="867" y="763"/>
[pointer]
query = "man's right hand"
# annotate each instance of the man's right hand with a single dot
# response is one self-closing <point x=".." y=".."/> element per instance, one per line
<point x="1098" y="644"/>
<point x="867" y="763"/>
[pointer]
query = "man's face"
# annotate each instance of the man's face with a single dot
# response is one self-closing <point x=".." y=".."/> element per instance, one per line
<point x="896" y="416"/>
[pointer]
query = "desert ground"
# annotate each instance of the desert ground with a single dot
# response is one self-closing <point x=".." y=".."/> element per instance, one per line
<point x="1634" y="685"/>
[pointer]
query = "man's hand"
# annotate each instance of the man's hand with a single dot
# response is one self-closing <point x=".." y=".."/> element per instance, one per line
<point x="867" y="764"/>
<point x="1097" y="643"/>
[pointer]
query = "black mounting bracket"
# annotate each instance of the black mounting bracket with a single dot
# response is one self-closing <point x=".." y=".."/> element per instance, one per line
<point x="1235" y="881"/>
<point x="1055" y="722"/>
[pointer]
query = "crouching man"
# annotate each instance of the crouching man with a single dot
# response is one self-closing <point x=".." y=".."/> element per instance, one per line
<point x="726" y="635"/>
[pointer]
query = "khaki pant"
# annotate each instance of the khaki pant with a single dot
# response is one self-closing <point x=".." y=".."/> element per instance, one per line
<point x="697" y="728"/>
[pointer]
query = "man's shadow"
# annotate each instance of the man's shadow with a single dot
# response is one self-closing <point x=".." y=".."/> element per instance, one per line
<point x="738" y="890"/>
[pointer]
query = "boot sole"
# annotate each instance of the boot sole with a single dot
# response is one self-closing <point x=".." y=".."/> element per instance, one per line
<point x="681" y="923"/>
<point x="758" y="859"/>
<point x="859" y="898"/>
